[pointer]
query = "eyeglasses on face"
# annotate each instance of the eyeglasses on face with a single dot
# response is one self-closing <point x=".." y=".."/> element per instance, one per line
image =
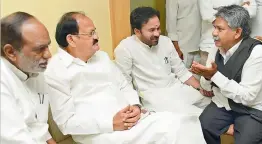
<point x="90" y="34"/>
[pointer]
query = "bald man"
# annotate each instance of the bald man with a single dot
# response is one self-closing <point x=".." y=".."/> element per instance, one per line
<point x="24" y="99"/>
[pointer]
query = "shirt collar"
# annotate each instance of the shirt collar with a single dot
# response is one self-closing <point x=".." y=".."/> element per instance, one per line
<point x="143" y="44"/>
<point x="69" y="59"/>
<point x="230" y="52"/>
<point x="21" y="75"/>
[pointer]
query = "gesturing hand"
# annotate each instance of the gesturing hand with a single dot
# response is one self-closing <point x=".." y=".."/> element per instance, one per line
<point x="204" y="71"/>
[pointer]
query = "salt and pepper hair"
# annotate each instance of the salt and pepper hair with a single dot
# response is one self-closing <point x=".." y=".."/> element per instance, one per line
<point x="236" y="17"/>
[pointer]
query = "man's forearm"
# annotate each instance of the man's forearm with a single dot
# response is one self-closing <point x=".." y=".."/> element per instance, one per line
<point x="192" y="81"/>
<point x="175" y="43"/>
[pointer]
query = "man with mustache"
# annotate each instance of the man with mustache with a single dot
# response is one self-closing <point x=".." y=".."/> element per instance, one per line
<point x="24" y="99"/>
<point x="93" y="101"/>
<point x="150" y="62"/>
<point x="207" y="9"/>
<point x="234" y="75"/>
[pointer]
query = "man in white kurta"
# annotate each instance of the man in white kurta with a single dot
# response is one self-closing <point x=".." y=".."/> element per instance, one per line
<point x="183" y="23"/>
<point x="92" y="96"/>
<point x="24" y="107"/>
<point x="24" y="95"/>
<point x="150" y="62"/>
<point x="208" y="8"/>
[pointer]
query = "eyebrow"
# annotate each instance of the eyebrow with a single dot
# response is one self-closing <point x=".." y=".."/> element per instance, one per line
<point x="219" y="26"/>
<point x="42" y="46"/>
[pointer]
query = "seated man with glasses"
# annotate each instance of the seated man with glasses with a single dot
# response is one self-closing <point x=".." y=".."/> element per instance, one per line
<point x="92" y="100"/>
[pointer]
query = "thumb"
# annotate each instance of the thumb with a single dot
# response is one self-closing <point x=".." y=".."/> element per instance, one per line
<point x="214" y="65"/>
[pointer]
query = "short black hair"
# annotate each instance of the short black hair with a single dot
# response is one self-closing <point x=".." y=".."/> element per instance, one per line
<point x="11" y="30"/>
<point x="141" y="15"/>
<point x="66" y="25"/>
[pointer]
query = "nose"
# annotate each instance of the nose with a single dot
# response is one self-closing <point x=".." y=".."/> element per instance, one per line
<point x="215" y="32"/>
<point x="157" y="33"/>
<point x="95" y="36"/>
<point x="47" y="54"/>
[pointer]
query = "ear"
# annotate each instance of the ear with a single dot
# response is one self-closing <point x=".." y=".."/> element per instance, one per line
<point x="238" y="33"/>
<point x="137" y="31"/>
<point x="10" y="52"/>
<point x="70" y="40"/>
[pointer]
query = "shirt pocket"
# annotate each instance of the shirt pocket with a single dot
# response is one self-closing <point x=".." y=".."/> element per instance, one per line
<point x="42" y="108"/>
<point x="166" y="65"/>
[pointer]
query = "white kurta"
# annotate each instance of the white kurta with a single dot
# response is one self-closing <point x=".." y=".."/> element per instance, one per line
<point x="88" y="95"/>
<point x="257" y="21"/>
<point x="24" y="107"/>
<point x="208" y="10"/>
<point x="157" y="73"/>
<point x="183" y="23"/>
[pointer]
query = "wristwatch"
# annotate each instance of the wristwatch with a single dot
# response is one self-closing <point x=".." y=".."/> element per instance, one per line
<point x="138" y="105"/>
<point x="198" y="88"/>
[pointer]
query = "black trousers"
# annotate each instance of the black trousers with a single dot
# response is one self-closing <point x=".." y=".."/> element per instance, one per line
<point x="216" y="121"/>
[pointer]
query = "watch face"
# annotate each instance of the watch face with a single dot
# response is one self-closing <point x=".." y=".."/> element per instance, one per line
<point x="138" y="105"/>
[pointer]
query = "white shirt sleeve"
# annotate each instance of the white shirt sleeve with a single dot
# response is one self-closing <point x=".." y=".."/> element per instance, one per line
<point x="123" y="60"/>
<point x="130" y="94"/>
<point x="171" y="19"/>
<point x="252" y="8"/>
<point x="207" y="11"/>
<point x="205" y="84"/>
<point x="247" y="90"/>
<point x="177" y="66"/>
<point x="13" y="128"/>
<point x="64" y="113"/>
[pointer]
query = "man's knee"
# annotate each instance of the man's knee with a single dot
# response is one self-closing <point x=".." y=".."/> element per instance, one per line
<point x="205" y="120"/>
<point x="210" y="123"/>
<point x="248" y="130"/>
<point x="248" y="140"/>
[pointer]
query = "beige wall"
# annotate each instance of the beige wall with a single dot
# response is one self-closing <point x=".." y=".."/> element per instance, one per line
<point x="49" y="12"/>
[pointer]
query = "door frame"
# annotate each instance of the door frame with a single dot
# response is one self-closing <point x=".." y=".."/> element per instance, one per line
<point x="119" y="16"/>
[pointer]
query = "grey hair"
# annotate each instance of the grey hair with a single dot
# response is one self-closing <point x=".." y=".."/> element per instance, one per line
<point x="236" y="17"/>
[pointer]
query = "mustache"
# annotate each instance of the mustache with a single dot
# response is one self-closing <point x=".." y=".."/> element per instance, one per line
<point x="215" y="38"/>
<point x="43" y="62"/>
<point x="95" y="41"/>
<point x="155" y="37"/>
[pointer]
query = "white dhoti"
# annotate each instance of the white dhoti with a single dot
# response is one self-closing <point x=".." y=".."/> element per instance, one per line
<point x="156" y="128"/>
<point x="178" y="98"/>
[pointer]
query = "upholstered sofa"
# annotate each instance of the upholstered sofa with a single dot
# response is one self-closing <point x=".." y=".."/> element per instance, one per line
<point x="57" y="134"/>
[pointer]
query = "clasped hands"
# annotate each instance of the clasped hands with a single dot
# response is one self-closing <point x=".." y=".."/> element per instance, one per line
<point x="126" y="118"/>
